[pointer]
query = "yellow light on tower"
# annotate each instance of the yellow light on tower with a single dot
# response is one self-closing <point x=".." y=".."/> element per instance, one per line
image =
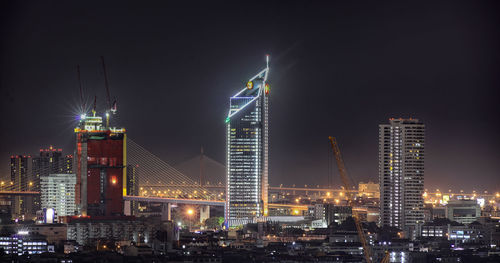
<point x="190" y="211"/>
<point x="250" y="85"/>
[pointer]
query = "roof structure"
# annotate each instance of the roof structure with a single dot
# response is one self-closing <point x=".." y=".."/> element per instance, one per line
<point x="254" y="89"/>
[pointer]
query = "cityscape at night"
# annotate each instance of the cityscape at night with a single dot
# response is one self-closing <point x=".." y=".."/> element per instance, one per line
<point x="282" y="131"/>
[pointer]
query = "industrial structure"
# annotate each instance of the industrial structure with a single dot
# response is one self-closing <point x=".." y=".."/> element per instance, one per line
<point x="248" y="151"/>
<point x="401" y="173"/>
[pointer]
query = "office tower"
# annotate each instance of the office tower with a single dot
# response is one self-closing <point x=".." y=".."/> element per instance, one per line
<point x="401" y="173"/>
<point x="100" y="167"/>
<point x="58" y="193"/>
<point x="21" y="180"/>
<point x="247" y="152"/>
<point x="50" y="161"/>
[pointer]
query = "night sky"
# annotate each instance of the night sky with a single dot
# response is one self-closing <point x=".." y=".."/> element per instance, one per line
<point x="338" y="69"/>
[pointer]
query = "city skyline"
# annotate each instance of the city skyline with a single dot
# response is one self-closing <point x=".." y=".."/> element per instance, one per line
<point x="340" y="90"/>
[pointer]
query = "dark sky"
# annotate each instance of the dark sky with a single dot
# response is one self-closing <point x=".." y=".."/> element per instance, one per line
<point x="337" y="69"/>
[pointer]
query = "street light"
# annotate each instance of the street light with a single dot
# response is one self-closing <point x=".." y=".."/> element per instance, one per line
<point x="190" y="213"/>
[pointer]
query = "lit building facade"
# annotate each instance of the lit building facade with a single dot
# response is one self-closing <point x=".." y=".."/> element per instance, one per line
<point x="23" y="243"/>
<point x="50" y="161"/>
<point x="401" y="173"/>
<point x="100" y="167"/>
<point x="58" y="193"/>
<point x="248" y="152"/>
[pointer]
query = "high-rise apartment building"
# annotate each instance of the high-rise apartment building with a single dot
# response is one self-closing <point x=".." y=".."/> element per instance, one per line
<point x="100" y="167"/>
<point x="50" y="161"/>
<point x="401" y="173"/>
<point x="21" y="180"/>
<point x="247" y="152"/>
<point x="58" y="193"/>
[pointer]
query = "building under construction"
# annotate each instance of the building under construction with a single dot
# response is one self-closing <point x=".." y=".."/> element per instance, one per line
<point x="101" y="160"/>
<point x="101" y="167"/>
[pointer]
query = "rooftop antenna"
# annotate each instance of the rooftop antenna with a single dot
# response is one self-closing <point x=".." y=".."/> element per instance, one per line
<point x="95" y="105"/>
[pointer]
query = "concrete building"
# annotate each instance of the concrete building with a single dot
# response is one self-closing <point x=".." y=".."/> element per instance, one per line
<point x="337" y="214"/>
<point x="23" y="243"/>
<point x="21" y="179"/>
<point x="54" y="233"/>
<point x="87" y="231"/>
<point x="401" y="173"/>
<point x="248" y="152"/>
<point x="463" y="211"/>
<point x="49" y="161"/>
<point x="58" y="193"/>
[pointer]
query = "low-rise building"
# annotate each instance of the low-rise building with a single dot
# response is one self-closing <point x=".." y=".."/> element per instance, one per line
<point x="54" y="233"/>
<point x="23" y="243"/>
<point x="463" y="211"/>
<point x="337" y="214"/>
<point x="86" y="230"/>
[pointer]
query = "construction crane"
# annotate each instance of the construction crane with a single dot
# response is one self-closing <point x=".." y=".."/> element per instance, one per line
<point x="347" y="186"/>
<point x="110" y="107"/>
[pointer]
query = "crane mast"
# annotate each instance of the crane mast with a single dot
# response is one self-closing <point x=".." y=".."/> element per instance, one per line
<point x="347" y="186"/>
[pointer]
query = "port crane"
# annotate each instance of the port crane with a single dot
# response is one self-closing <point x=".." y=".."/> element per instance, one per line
<point x="345" y="181"/>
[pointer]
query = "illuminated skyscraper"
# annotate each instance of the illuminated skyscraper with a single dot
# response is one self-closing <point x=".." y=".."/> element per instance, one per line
<point x="248" y="151"/>
<point x="401" y="173"/>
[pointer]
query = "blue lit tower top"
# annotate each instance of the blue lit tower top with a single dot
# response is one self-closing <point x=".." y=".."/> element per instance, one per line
<point x="247" y="151"/>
